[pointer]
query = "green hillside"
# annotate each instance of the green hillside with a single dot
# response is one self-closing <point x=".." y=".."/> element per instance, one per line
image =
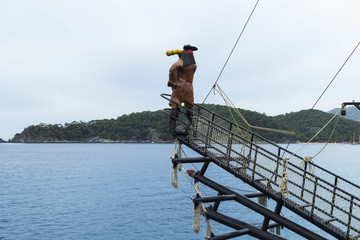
<point x="135" y="127"/>
<point x="150" y="127"/>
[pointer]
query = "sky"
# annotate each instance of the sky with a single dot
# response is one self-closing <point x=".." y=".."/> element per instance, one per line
<point x="83" y="60"/>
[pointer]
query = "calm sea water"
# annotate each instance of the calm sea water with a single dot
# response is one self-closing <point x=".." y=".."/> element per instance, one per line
<point x="117" y="191"/>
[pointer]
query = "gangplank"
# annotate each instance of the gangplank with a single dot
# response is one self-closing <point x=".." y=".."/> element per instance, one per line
<point x="321" y="197"/>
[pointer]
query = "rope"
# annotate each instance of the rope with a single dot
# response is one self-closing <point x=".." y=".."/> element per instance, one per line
<point x="242" y="150"/>
<point x="242" y="31"/>
<point x="229" y="104"/>
<point x="336" y="114"/>
<point x="332" y="132"/>
<point x="173" y="156"/>
<point x="285" y="179"/>
<point x="337" y="73"/>
<point x="309" y="158"/>
<point x="178" y="152"/>
<point x="197" y="209"/>
<point x="195" y="186"/>
<point x="174" y="176"/>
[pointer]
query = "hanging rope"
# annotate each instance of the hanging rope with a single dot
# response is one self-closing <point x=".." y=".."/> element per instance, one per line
<point x="232" y="50"/>
<point x="230" y="105"/>
<point x="198" y="208"/>
<point x="174" y="176"/>
<point x="179" y="155"/>
<point x="285" y="179"/>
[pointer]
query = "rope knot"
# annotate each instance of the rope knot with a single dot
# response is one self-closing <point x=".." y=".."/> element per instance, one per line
<point x="285" y="180"/>
<point x="308" y="159"/>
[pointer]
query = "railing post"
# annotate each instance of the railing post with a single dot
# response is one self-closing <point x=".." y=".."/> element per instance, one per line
<point x="333" y="196"/>
<point x="209" y="132"/>
<point x="314" y="196"/>
<point x="251" y="145"/>
<point x="303" y="182"/>
<point x="255" y="158"/>
<point x="229" y="144"/>
<point x="350" y="213"/>
<point x="277" y="164"/>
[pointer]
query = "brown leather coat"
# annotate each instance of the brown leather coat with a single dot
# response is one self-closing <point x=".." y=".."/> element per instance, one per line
<point x="180" y="80"/>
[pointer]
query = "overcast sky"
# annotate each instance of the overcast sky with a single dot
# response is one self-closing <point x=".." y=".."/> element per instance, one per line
<point x="81" y="60"/>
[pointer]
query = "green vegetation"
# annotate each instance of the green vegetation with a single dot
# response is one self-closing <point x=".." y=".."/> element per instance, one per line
<point x="315" y="121"/>
<point x="294" y="121"/>
<point x="151" y="126"/>
<point x="135" y="127"/>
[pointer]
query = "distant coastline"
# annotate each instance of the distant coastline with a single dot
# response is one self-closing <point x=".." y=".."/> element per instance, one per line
<point x="105" y="141"/>
<point x="150" y="127"/>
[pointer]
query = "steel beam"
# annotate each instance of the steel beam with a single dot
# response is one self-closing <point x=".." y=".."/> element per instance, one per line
<point x="240" y="225"/>
<point x="191" y="160"/>
<point x="267" y="220"/>
<point x="231" y="235"/>
<point x="260" y="209"/>
<point x="254" y="194"/>
<point x="215" y="198"/>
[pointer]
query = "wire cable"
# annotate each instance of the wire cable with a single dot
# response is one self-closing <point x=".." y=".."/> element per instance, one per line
<point x="242" y="31"/>
<point x="332" y="80"/>
<point x="337" y="73"/>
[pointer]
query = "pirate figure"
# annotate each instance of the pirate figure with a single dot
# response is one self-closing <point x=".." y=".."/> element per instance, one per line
<point x="181" y="76"/>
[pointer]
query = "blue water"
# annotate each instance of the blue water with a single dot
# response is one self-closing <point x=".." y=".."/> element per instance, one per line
<point x="112" y="191"/>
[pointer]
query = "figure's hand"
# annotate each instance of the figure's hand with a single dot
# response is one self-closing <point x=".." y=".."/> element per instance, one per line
<point x="171" y="84"/>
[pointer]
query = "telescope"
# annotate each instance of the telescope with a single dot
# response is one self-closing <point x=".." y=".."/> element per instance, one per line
<point x="173" y="52"/>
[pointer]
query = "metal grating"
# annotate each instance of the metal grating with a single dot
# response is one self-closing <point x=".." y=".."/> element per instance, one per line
<point x="327" y="200"/>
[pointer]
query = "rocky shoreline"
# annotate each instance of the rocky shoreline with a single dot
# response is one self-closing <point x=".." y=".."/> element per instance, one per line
<point x="88" y="140"/>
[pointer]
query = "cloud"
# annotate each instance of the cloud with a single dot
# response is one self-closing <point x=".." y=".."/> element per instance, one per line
<point x="63" y="61"/>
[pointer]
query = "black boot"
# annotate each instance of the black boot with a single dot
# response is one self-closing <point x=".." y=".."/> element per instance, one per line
<point x="189" y="116"/>
<point x="184" y="128"/>
<point x="174" y="114"/>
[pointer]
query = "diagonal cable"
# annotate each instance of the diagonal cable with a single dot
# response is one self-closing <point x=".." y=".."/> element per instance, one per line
<point x="242" y="31"/>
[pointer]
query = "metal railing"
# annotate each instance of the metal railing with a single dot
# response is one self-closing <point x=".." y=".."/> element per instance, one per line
<point x="326" y="199"/>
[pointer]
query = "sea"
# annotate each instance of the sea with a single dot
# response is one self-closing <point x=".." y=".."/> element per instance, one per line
<point x="122" y="191"/>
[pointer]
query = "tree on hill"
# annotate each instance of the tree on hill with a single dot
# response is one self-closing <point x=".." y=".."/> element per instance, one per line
<point x="151" y="126"/>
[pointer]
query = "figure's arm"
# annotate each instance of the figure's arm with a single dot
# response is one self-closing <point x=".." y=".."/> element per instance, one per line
<point x="173" y="73"/>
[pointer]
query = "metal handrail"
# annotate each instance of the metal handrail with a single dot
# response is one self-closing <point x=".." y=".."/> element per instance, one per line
<point x="332" y="206"/>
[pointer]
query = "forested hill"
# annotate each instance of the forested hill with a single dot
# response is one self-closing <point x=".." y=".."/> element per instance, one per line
<point x="150" y="127"/>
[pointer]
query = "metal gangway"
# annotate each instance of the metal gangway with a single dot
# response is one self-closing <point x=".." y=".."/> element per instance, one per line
<point x="321" y="197"/>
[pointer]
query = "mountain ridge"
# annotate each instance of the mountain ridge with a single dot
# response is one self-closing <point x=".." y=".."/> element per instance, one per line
<point x="149" y="126"/>
<point x="351" y="113"/>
